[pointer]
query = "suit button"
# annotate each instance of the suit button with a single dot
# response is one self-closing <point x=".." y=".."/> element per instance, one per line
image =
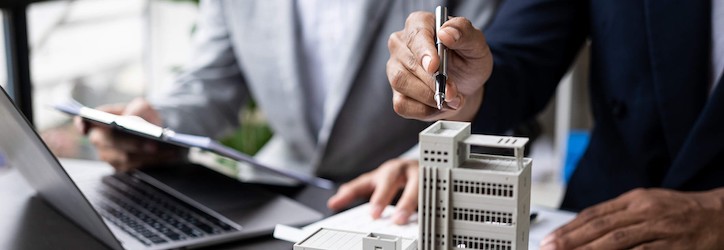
<point x="618" y="109"/>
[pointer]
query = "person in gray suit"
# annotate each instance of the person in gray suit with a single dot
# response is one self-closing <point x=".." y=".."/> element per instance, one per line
<point x="316" y="68"/>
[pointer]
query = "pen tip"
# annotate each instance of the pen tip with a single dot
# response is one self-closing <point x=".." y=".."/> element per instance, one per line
<point x="439" y="99"/>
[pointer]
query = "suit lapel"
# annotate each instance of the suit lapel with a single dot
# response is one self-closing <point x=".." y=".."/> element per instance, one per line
<point x="704" y="143"/>
<point x="362" y="33"/>
<point x="679" y="39"/>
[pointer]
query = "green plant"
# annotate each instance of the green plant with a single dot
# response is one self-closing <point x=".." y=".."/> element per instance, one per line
<point x="253" y="133"/>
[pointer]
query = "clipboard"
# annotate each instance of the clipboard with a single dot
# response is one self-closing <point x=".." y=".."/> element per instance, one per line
<point x="136" y="126"/>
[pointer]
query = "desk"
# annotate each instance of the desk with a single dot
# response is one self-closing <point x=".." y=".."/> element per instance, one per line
<point x="28" y="222"/>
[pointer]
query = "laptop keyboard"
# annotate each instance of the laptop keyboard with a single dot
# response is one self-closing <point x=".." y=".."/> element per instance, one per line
<point x="151" y="216"/>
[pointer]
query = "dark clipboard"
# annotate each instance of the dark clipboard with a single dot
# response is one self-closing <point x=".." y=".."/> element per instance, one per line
<point x="139" y="127"/>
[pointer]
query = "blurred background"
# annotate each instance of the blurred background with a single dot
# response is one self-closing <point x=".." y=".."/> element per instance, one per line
<point x="110" y="51"/>
<point x="100" y="52"/>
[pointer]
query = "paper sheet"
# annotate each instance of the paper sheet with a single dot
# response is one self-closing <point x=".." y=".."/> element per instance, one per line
<point x="358" y="219"/>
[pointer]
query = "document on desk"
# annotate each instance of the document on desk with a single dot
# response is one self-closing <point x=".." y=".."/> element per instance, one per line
<point x="134" y="125"/>
<point x="548" y="219"/>
<point x="358" y="219"/>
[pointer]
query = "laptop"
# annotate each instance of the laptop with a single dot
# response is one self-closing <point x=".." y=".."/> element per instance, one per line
<point x="184" y="206"/>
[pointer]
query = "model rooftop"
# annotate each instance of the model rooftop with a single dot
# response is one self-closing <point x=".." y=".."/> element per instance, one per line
<point x="494" y="163"/>
<point x="446" y="129"/>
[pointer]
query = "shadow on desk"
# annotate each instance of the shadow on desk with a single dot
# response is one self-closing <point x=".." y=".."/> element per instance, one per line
<point x="42" y="227"/>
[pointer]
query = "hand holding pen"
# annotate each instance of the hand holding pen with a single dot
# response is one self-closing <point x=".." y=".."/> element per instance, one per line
<point x="421" y="81"/>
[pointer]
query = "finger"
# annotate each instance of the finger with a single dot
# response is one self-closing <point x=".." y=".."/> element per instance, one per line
<point x="597" y="228"/>
<point x="452" y="97"/>
<point x="589" y="214"/>
<point x="360" y="187"/>
<point x="416" y="85"/>
<point x="131" y="143"/>
<point x="399" y="52"/>
<point x="657" y="244"/>
<point x="142" y="108"/>
<point x="103" y="137"/>
<point x="124" y="161"/>
<point x="626" y="238"/>
<point x="116" y="158"/>
<point x="100" y="136"/>
<point x="412" y="109"/>
<point x="387" y="183"/>
<point x="116" y="109"/>
<point x="81" y="125"/>
<point x="408" y="201"/>
<point x="420" y="38"/>
<point x="460" y="35"/>
<point x="134" y="161"/>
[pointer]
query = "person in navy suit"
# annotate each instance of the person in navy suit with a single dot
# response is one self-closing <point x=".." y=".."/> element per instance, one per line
<point x="653" y="173"/>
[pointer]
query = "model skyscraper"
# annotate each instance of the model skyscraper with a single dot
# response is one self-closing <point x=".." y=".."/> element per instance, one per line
<point x="472" y="201"/>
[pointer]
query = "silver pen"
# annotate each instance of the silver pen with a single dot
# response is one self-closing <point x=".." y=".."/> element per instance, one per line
<point x="441" y="76"/>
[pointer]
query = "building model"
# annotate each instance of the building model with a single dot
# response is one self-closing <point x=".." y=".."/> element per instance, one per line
<point x="472" y="201"/>
<point x="466" y="200"/>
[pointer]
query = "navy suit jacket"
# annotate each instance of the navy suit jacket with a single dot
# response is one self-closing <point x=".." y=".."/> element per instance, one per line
<point x="655" y="124"/>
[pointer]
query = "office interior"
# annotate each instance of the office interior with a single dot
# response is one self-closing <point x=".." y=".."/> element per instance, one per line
<point x="111" y="51"/>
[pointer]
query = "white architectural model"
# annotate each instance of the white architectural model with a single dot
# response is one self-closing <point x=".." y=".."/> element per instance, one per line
<point x="472" y="201"/>
<point x="334" y="239"/>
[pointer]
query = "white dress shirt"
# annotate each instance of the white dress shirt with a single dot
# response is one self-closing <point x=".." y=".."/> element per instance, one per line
<point x="717" y="41"/>
<point x="324" y="33"/>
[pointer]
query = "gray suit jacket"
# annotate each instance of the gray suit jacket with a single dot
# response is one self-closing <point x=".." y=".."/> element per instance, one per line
<point x="248" y="48"/>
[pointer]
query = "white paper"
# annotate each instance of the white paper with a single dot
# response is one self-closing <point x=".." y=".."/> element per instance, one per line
<point x="358" y="219"/>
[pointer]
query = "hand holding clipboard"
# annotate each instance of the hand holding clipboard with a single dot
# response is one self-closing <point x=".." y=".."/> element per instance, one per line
<point x="134" y="125"/>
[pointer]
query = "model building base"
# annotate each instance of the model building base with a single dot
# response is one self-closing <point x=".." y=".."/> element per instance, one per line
<point x="335" y="239"/>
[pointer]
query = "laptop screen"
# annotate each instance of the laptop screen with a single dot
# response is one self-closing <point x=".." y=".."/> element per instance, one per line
<point x="23" y="150"/>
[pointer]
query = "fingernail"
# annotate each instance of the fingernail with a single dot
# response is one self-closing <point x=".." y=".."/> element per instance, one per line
<point x="549" y="246"/>
<point x="548" y="239"/>
<point x="401" y="217"/>
<point x="454" y="33"/>
<point x="454" y="103"/>
<point x="377" y="211"/>
<point x="426" y="62"/>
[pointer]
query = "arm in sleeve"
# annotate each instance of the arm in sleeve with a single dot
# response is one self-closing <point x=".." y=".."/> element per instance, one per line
<point x="533" y="43"/>
<point x="207" y="98"/>
<point x="480" y="13"/>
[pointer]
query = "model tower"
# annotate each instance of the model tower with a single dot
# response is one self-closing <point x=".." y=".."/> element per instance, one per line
<point x="472" y="201"/>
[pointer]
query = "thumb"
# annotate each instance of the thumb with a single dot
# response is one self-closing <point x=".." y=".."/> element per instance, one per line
<point x="460" y="35"/>
<point x="80" y="125"/>
<point x="142" y="108"/>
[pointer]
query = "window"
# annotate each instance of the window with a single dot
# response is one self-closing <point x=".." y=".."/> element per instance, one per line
<point x="101" y="52"/>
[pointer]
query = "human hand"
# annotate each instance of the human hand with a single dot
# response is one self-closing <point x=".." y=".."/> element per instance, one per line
<point x="646" y="219"/>
<point x="383" y="184"/>
<point x="123" y="151"/>
<point x="413" y="61"/>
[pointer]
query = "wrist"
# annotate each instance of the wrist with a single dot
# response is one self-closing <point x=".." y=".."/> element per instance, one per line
<point x="712" y="199"/>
